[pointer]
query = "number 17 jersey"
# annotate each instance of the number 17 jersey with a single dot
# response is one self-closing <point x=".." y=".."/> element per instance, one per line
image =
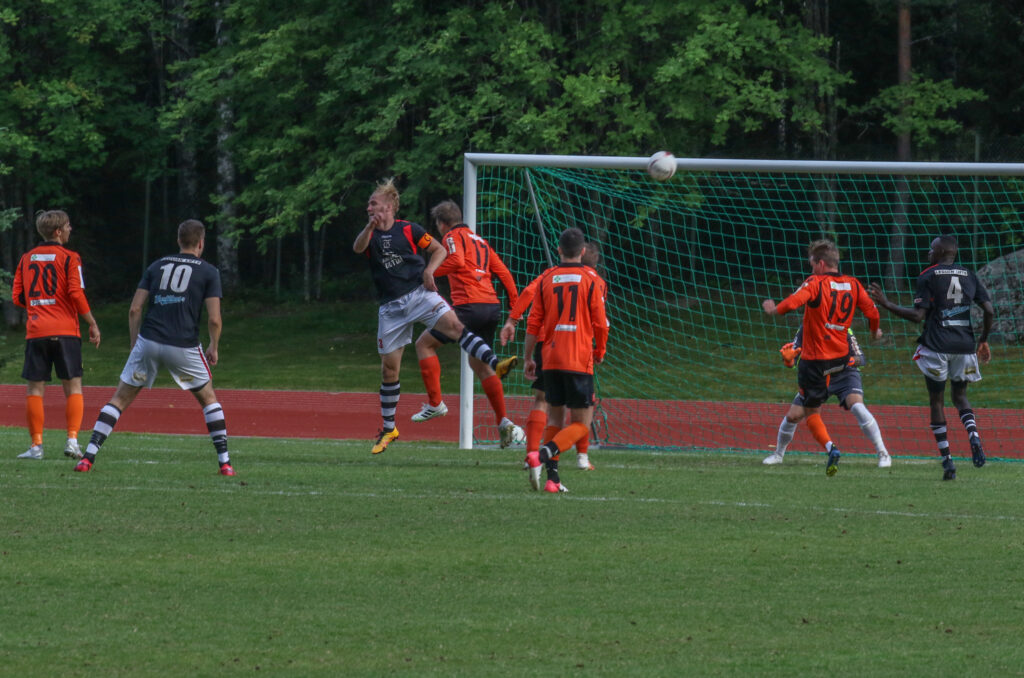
<point x="178" y="286"/>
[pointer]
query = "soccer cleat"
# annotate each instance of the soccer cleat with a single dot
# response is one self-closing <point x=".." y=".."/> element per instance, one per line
<point x="790" y="354"/>
<point x="226" y="469"/>
<point x="772" y="459"/>
<point x="71" y="449"/>
<point x="884" y="460"/>
<point x="505" y="366"/>
<point x="583" y="462"/>
<point x="83" y="466"/>
<point x="948" y="469"/>
<point x="832" y="463"/>
<point x="977" y="453"/>
<point x="554" y="488"/>
<point x="533" y="469"/>
<point x="429" y="412"/>
<point x="509" y="434"/>
<point x="34" y="452"/>
<point x="384" y="439"/>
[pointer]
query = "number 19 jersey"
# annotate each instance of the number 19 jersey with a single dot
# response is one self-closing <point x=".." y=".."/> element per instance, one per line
<point x="178" y="287"/>
<point x="830" y="300"/>
<point x="946" y="292"/>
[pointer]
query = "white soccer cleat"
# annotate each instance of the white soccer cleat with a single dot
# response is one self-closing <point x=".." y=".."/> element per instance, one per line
<point x="583" y="462"/>
<point x="71" y="449"/>
<point x="772" y="459"/>
<point x="510" y="433"/>
<point x="884" y="460"/>
<point x="34" y="452"/>
<point x="428" y="412"/>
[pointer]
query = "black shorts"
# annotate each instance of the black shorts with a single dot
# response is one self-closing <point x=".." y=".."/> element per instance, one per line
<point x="60" y="354"/>
<point x="574" y="389"/>
<point x="813" y="377"/>
<point x="538" y="383"/>
<point x="480" y="319"/>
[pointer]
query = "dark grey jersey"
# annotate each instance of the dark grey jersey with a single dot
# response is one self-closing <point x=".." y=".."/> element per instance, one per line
<point x="946" y="292"/>
<point x="178" y="287"/>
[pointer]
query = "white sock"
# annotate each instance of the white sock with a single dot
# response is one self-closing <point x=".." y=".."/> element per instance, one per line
<point x="869" y="426"/>
<point x="786" y="431"/>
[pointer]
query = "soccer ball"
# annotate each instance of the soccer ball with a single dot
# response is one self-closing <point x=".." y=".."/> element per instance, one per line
<point x="661" y="166"/>
<point x="518" y="436"/>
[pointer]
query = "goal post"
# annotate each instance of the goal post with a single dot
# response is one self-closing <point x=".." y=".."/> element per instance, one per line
<point x="693" y="362"/>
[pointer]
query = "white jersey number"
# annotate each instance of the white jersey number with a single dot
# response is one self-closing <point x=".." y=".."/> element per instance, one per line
<point x="955" y="293"/>
<point x="175" y="278"/>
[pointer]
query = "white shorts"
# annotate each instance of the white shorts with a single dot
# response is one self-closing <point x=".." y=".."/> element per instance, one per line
<point x="187" y="366"/>
<point x="396" y="318"/>
<point x="943" y="366"/>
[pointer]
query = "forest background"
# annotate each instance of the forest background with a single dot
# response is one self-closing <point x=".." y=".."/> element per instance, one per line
<point x="271" y="121"/>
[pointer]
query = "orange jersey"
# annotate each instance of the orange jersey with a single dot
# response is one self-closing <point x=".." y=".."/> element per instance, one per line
<point x="48" y="283"/>
<point x="830" y="299"/>
<point x="569" y="313"/>
<point x="470" y="265"/>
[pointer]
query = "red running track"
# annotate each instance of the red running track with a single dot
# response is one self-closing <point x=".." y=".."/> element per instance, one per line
<point x="644" y="423"/>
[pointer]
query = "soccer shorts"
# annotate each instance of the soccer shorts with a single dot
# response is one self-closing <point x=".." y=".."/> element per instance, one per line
<point x="480" y="319"/>
<point x="841" y="384"/>
<point x="188" y="366"/>
<point x="943" y="366"/>
<point x="45" y="355"/>
<point x="813" y="377"/>
<point x="572" y="389"/>
<point x="396" y="318"/>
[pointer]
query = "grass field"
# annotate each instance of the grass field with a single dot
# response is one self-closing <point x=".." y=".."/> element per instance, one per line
<point x="319" y="559"/>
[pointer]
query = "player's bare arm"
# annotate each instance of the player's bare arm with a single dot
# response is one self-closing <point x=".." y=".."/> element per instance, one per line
<point x="769" y="306"/>
<point x="878" y="296"/>
<point x="437" y="254"/>
<point x="214" y="325"/>
<point x="508" y="332"/>
<point x="529" y="364"/>
<point x="988" y="316"/>
<point x="138" y="305"/>
<point x="94" y="328"/>
<point x="362" y="240"/>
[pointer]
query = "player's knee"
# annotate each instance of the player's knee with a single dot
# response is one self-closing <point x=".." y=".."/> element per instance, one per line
<point x="935" y="386"/>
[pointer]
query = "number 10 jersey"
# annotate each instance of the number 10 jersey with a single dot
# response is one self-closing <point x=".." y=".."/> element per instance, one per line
<point x="178" y="286"/>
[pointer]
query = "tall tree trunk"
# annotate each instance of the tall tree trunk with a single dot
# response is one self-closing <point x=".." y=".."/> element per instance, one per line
<point x="304" y="227"/>
<point x="188" y="179"/>
<point x="898" y="233"/>
<point x="227" y="235"/>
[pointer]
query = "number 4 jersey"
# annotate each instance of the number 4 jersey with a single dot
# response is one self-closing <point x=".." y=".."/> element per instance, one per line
<point x="48" y="283"/>
<point x="830" y="300"/>
<point x="178" y="287"/>
<point x="946" y="292"/>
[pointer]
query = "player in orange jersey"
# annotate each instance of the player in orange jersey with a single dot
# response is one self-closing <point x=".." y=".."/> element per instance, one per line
<point x="537" y="420"/>
<point x="471" y="265"/>
<point x="568" y="318"/>
<point x="829" y="300"/>
<point x="48" y="283"/>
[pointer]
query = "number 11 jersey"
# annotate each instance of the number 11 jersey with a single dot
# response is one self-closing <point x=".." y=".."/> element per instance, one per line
<point x="178" y="286"/>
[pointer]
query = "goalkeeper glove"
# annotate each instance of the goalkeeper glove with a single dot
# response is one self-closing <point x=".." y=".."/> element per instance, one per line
<point x="790" y="354"/>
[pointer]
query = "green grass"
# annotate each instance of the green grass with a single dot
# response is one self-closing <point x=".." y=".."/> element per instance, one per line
<point x="319" y="559"/>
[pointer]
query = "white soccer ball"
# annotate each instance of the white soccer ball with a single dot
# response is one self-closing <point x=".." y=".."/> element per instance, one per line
<point x="661" y="166"/>
<point x="518" y="436"/>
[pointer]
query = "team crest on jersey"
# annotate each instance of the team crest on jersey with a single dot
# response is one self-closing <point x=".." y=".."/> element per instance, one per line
<point x="43" y="257"/>
<point x="566" y="278"/>
<point x="841" y="286"/>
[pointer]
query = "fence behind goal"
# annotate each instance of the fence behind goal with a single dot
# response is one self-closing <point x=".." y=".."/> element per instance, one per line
<point x="693" y="361"/>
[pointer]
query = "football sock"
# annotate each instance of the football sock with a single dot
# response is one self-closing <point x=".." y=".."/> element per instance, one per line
<point x="74" y="407"/>
<point x="104" y="426"/>
<point x="535" y="423"/>
<point x="818" y="430"/>
<point x="967" y="419"/>
<point x="34" y="415"/>
<point x="218" y="428"/>
<point x="495" y="395"/>
<point x="549" y="455"/>
<point x="939" y="431"/>
<point x="568" y="436"/>
<point x="869" y="426"/>
<point x="430" y="368"/>
<point x="478" y="348"/>
<point x="549" y="433"/>
<point x="786" y="430"/>
<point x="389" y="394"/>
<point x="583" y="444"/>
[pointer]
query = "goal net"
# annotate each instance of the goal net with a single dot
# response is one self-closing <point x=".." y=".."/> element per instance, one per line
<point x="693" y="362"/>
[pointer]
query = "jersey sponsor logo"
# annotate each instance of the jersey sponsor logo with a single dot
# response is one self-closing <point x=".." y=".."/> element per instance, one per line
<point x="956" y="323"/>
<point x="566" y="278"/>
<point x="843" y="286"/>
<point x="565" y="328"/>
<point x="951" y="271"/>
<point x="43" y="302"/>
<point x="956" y="310"/>
<point x="167" y="300"/>
<point x="832" y="326"/>
<point x="43" y="257"/>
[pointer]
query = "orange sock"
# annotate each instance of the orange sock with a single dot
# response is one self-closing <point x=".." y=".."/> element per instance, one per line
<point x="568" y="436"/>
<point x="430" y="368"/>
<point x="34" y="414"/>
<point x="818" y="430"/>
<point x="496" y="395"/>
<point x="549" y="433"/>
<point x="73" y="410"/>
<point x="583" y="444"/>
<point x="535" y="422"/>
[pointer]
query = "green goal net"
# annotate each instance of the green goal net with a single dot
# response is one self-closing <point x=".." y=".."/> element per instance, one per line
<point x="693" y="361"/>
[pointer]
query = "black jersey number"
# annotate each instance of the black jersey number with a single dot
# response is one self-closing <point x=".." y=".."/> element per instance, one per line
<point x="175" y="278"/>
<point x="45" y="276"/>
<point x="574" y="294"/>
<point x="842" y="303"/>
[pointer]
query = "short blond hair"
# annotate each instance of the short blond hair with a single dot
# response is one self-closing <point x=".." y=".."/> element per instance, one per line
<point x="387" y="190"/>
<point x="824" y="250"/>
<point x="48" y="222"/>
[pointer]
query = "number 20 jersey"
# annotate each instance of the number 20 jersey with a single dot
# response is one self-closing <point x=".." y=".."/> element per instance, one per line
<point x="48" y="283"/>
<point x="830" y="300"/>
<point x="946" y="292"/>
<point x="178" y="286"/>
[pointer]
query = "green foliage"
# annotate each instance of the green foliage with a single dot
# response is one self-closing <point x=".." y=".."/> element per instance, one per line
<point x="918" y="107"/>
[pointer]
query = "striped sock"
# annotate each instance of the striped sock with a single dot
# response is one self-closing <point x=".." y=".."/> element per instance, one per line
<point x="967" y="419"/>
<point x="389" y="395"/>
<point x="218" y="429"/>
<point x="478" y="348"/>
<point x="939" y="431"/>
<point x="104" y="426"/>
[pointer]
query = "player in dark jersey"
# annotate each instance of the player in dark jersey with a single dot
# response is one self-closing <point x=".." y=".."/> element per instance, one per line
<point x="408" y="294"/>
<point x="176" y="288"/>
<point x="846" y="385"/>
<point x="48" y="283"/>
<point x="829" y="300"/>
<point x="946" y="348"/>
